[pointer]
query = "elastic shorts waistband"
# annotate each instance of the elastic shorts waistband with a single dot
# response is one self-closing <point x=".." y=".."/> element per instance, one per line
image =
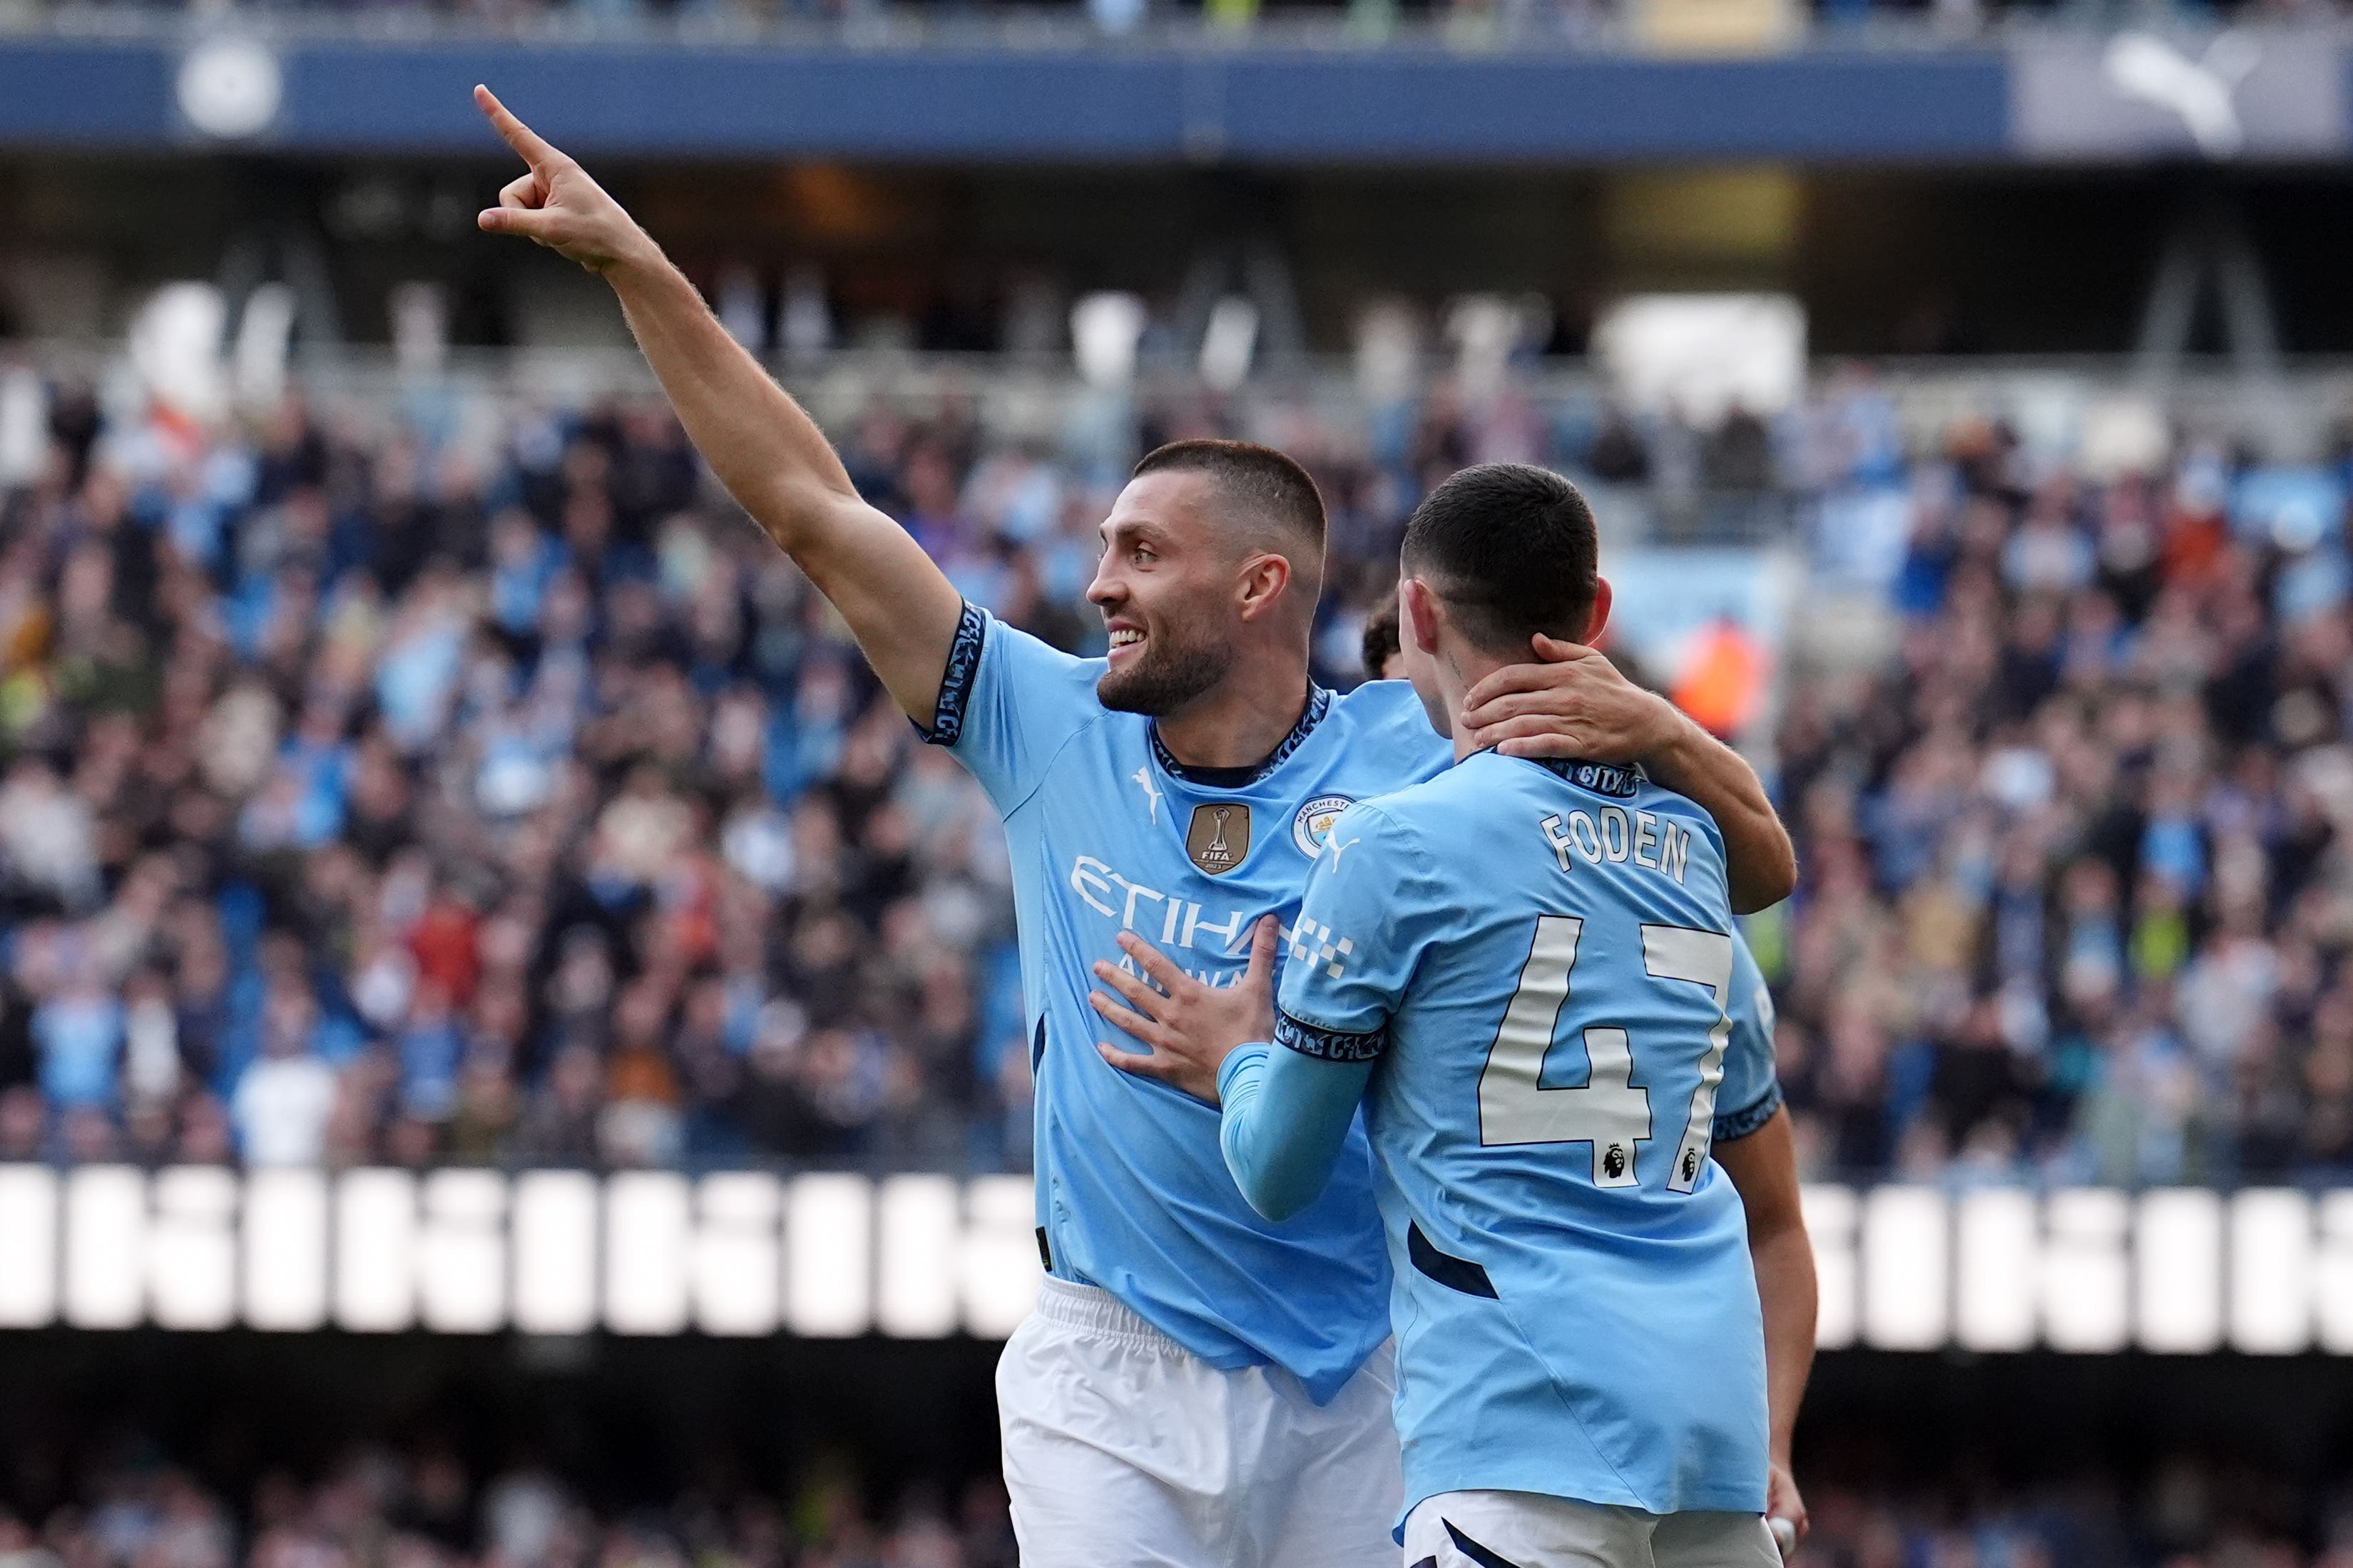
<point x="1095" y="1310"/>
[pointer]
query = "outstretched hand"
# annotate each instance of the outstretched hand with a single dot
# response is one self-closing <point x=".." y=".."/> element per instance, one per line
<point x="555" y="202"/>
<point x="1190" y="1026"/>
<point x="1574" y="703"/>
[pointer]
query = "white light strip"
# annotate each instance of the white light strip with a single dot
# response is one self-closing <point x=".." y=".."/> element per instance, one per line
<point x="375" y="1251"/>
<point x="739" y="1259"/>
<point x="744" y="1254"/>
<point x="1830" y="1223"/>
<point x="106" y="1247"/>
<point x="2332" y="1275"/>
<point x="554" y="1252"/>
<point x="28" y="1246"/>
<point x="286" y="1250"/>
<point x="1904" y="1271"/>
<point x="1998" y="1243"/>
<point x="646" y="1224"/>
<point x="2271" y="1272"/>
<point x="191" y="1248"/>
<point x="1001" y="1266"/>
<point x="916" y="1274"/>
<point x="461" y="1254"/>
<point x="2085" y="1283"/>
<point x="2178" y="1272"/>
<point x="828" y="1256"/>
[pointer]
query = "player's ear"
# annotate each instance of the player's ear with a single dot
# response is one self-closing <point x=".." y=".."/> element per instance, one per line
<point x="1417" y="614"/>
<point x="1263" y="579"/>
<point x="1600" y="618"/>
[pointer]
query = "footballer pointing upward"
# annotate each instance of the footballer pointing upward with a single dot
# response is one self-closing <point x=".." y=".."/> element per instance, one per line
<point x="1198" y="1386"/>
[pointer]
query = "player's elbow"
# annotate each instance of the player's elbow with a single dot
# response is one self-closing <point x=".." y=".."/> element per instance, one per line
<point x="1764" y="878"/>
<point x="1274" y="1193"/>
<point x="1277" y="1201"/>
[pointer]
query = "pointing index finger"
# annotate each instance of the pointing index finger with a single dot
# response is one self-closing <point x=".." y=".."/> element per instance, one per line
<point x="528" y="143"/>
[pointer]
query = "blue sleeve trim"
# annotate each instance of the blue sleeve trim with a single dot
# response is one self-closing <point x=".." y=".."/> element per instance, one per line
<point x="955" y="682"/>
<point x="1329" y="1045"/>
<point x="1732" y="1129"/>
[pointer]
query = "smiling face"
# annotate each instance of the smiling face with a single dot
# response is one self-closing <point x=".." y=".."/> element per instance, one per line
<point x="1169" y="587"/>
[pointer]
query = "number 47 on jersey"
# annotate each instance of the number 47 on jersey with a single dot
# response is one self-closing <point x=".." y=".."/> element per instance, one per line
<point x="1610" y="1110"/>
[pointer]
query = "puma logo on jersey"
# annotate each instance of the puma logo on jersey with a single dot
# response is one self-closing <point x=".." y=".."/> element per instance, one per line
<point x="1339" y="848"/>
<point x="1143" y="783"/>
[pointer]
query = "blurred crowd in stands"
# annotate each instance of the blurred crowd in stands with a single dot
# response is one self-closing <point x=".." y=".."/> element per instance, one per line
<point x="2076" y="900"/>
<point x="383" y="1507"/>
<point x="374" y="788"/>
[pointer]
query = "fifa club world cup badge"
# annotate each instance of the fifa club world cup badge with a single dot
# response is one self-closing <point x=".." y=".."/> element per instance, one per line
<point x="1219" y="837"/>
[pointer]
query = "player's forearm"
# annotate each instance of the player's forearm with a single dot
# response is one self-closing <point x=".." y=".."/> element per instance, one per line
<point x="1284" y="1120"/>
<point x="1784" y="1262"/>
<point x="1760" y="864"/>
<point x="1763" y="1170"/>
<point x="777" y="464"/>
<point x="769" y="454"/>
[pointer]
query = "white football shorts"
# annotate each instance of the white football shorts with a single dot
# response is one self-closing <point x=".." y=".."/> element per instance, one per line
<point x="1122" y="1449"/>
<point x="1523" y="1529"/>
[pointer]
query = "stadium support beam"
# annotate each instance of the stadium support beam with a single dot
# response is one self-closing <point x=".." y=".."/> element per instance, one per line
<point x="2209" y="251"/>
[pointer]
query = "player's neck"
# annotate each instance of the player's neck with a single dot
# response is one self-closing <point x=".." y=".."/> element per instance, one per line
<point x="1459" y="669"/>
<point x="1239" y="722"/>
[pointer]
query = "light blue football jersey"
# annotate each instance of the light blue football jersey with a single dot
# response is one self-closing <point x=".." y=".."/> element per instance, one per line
<point x="1539" y="961"/>
<point x="1109" y="834"/>
<point x="1751" y="1090"/>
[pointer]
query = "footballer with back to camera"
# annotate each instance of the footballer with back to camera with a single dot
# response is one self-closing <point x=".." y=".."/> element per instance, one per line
<point x="1582" y="1357"/>
<point x="1198" y="1386"/>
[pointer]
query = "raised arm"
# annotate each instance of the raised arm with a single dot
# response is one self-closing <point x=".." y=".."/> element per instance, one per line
<point x="770" y="455"/>
<point x="1576" y="703"/>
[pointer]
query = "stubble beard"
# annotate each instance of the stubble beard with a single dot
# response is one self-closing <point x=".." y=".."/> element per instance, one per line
<point x="1164" y="680"/>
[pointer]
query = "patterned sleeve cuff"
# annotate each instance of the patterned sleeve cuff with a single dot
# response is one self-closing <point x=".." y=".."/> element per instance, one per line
<point x="955" y="683"/>
<point x="1732" y="1129"/>
<point x="1329" y="1045"/>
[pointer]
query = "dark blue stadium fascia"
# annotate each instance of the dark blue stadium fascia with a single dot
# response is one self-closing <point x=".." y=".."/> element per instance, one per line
<point x="1104" y="103"/>
<point x="690" y="102"/>
<point x="1861" y="105"/>
<point x="58" y="94"/>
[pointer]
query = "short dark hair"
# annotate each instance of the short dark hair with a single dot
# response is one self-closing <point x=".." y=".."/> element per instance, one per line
<point x="1381" y="641"/>
<point x="1511" y="550"/>
<point x="1263" y="484"/>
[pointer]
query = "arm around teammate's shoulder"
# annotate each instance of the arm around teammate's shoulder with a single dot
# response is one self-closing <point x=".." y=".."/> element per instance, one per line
<point x="1571" y="701"/>
<point x="769" y="454"/>
<point x="1760" y="864"/>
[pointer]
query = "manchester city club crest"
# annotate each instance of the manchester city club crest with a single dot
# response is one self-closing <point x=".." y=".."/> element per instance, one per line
<point x="1313" y="821"/>
<point x="1218" y="837"/>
